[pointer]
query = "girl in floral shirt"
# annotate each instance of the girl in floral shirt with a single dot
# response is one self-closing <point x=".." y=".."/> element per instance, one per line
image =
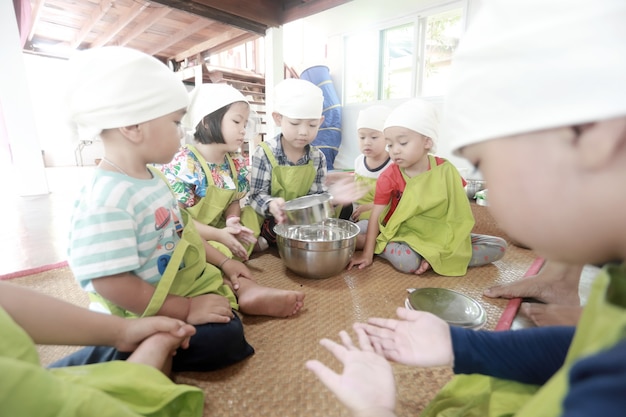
<point x="210" y="177"/>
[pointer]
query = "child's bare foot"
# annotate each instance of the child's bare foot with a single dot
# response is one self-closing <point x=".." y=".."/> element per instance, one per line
<point x="157" y="351"/>
<point x="257" y="300"/>
<point x="551" y="314"/>
<point x="554" y="284"/>
<point x="424" y="266"/>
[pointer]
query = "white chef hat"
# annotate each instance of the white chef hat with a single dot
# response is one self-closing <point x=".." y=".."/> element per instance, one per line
<point x="298" y="99"/>
<point x="373" y="117"/>
<point x="528" y="65"/>
<point x="114" y="86"/>
<point x="207" y="98"/>
<point x="416" y="114"/>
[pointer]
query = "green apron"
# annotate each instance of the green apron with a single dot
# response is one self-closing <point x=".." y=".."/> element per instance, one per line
<point x="434" y="218"/>
<point x="210" y="209"/>
<point x="368" y="198"/>
<point x="289" y="181"/>
<point x="187" y="273"/>
<point x="602" y="325"/>
<point x="110" y="389"/>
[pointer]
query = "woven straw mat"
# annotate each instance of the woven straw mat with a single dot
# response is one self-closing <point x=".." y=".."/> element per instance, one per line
<point x="274" y="381"/>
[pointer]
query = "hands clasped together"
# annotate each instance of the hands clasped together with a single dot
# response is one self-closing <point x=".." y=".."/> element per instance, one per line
<point x="236" y="235"/>
<point x="366" y="385"/>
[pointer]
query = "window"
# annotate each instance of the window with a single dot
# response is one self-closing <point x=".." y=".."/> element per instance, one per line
<point x="404" y="60"/>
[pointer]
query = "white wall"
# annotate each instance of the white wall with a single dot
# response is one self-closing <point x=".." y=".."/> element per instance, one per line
<point x="47" y="86"/>
<point x="318" y="39"/>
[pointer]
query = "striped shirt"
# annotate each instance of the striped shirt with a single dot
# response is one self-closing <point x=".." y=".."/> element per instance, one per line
<point x="122" y="224"/>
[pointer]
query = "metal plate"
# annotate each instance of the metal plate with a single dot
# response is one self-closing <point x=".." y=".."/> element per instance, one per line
<point x="455" y="308"/>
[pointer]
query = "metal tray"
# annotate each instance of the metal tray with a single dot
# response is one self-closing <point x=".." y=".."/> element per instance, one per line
<point x="455" y="308"/>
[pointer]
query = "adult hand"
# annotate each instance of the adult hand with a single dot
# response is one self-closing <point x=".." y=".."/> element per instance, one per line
<point x="133" y="332"/>
<point x="366" y="386"/>
<point x="417" y="338"/>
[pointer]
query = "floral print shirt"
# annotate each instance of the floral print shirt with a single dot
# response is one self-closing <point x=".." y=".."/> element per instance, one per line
<point x="189" y="182"/>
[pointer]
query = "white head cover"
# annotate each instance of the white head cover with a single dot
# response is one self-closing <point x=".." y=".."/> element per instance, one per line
<point x="416" y="114"/>
<point x="527" y="65"/>
<point x="373" y="117"/>
<point x="207" y="98"/>
<point x="298" y="99"/>
<point x="115" y="86"/>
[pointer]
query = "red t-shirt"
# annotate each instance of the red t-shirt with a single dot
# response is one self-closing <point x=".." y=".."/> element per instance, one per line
<point x="390" y="186"/>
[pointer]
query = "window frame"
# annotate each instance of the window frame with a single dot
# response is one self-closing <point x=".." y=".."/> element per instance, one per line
<point x="419" y="21"/>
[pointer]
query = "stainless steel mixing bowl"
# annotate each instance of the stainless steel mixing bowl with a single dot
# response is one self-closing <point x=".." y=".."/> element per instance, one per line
<point x="318" y="250"/>
<point x="309" y="209"/>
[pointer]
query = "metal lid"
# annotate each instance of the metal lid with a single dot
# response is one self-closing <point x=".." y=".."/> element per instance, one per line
<point x="455" y="308"/>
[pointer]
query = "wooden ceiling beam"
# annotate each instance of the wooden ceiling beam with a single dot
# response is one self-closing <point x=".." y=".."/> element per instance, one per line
<point x="204" y="9"/>
<point x="149" y="18"/>
<point x="95" y="17"/>
<point x="189" y="30"/>
<point x="298" y="9"/>
<point x="225" y="41"/>
<point x="35" y="13"/>
<point x="124" y="19"/>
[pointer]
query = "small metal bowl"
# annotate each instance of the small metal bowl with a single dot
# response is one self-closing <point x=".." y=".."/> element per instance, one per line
<point x="309" y="209"/>
<point x="455" y="308"/>
<point x="319" y="250"/>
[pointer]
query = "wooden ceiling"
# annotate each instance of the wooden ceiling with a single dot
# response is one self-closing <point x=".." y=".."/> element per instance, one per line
<point x="171" y="30"/>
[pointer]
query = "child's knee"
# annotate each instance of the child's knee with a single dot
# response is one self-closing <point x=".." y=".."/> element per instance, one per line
<point x="402" y="257"/>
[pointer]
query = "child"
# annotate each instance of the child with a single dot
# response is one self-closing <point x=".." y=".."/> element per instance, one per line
<point x="131" y="388"/>
<point x="368" y="166"/>
<point x="421" y="217"/>
<point x="125" y="248"/>
<point x="546" y="371"/>
<point x="289" y="167"/>
<point x="210" y="177"/>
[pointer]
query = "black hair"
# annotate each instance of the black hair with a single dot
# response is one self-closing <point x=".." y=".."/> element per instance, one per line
<point x="209" y="130"/>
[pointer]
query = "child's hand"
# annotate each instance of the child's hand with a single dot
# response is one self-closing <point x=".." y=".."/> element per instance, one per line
<point x="417" y="338"/>
<point x="361" y="261"/>
<point x="277" y="209"/>
<point x="234" y="270"/>
<point x="136" y="331"/>
<point x="229" y="238"/>
<point x="366" y="385"/>
<point x="334" y="176"/>
<point x="209" y="308"/>
<point x="346" y="191"/>
<point x="356" y="213"/>
<point x="243" y="234"/>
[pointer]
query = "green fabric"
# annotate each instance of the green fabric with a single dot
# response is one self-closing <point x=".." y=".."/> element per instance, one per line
<point x="111" y="389"/>
<point x="210" y="209"/>
<point x="434" y="218"/>
<point x="196" y="277"/>
<point x="602" y="325"/>
<point x="289" y="181"/>
<point x="368" y="198"/>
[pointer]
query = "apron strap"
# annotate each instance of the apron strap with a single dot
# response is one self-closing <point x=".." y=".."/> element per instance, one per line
<point x="269" y="153"/>
<point x="164" y="285"/>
